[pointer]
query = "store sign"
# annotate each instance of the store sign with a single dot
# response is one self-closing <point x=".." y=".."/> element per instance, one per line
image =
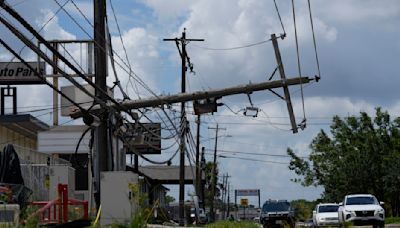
<point x="247" y="192"/>
<point x="17" y="73"/>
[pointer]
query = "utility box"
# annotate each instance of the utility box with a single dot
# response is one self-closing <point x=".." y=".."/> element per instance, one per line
<point x="116" y="198"/>
<point x="9" y="215"/>
<point x="61" y="174"/>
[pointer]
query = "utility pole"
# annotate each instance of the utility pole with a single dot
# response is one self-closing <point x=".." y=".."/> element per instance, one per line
<point x="101" y="159"/>
<point x="285" y="88"/>
<point x="229" y="193"/>
<point x="185" y="59"/>
<point x="214" y="176"/>
<point x="198" y="177"/>
<point x="203" y="165"/>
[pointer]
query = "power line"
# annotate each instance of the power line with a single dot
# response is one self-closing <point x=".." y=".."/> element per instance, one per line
<point x="280" y="19"/>
<point x="315" y="43"/>
<point x="41" y="28"/>
<point x="232" y="48"/>
<point x="250" y="159"/>
<point x="298" y="59"/>
<point x="252" y="153"/>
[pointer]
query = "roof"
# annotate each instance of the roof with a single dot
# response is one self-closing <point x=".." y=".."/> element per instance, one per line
<point x="168" y="174"/>
<point x="359" y="195"/>
<point x="327" y="204"/>
<point x="63" y="140"/>
<point x="25" y="124"/>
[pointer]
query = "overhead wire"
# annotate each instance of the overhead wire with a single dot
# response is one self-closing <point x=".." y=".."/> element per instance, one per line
<point x="40" y="29"/>
<point x="123" y="45"/>
<point x="252" y="153"/>
<point x="298" y="59"/>
<point x="233" y="48"/>
<point x="279" y="16"/>
<point x="130" y="72"/>
<point x="314" y="41"/>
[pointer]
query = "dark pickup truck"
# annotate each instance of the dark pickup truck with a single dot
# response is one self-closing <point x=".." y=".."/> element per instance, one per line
<point x="276" y="212"/>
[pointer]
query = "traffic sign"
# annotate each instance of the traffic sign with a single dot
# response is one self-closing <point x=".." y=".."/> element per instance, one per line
<point x="244" y="202"/>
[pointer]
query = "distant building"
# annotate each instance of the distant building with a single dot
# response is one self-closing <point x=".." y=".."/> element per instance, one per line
<point x="22" y="131"/>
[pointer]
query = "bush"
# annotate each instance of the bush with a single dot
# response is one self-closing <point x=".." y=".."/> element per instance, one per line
<point x="392" y="220"/>
<point x="229" y="224"/>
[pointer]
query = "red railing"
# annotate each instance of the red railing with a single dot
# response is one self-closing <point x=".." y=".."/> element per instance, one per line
<point x="49" y="208"/>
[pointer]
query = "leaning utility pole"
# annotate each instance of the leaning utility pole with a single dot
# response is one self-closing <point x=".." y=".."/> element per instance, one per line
<point x="283" y="77"/>
<point x="213" y="174"/>
<point x="101" y="158"/>
<point x="182" y="52"/>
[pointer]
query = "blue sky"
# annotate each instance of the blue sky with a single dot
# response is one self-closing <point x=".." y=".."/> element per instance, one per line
<point x="358" y="46"/>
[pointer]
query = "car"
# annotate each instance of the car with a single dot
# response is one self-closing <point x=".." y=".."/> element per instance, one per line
<point x="277" y="211"/>
<point x="326" y="214"/>
<point x="361" y="209"/>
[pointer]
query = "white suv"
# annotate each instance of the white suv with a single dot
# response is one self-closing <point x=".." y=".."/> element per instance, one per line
<point x="361" y="209"/>
<point x="326" y="214"/>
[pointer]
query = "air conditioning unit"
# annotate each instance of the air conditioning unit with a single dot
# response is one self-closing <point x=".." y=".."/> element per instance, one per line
<point x="9" y="215"/>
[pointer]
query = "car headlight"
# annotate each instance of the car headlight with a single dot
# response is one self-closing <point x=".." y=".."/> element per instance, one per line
<point x="322" y="219"/>
<point x="381" y="211"/>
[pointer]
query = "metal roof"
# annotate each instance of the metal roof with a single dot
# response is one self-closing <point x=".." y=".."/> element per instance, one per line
<point x="25" y="124"/>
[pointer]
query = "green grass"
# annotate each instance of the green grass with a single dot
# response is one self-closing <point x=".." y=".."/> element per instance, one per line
<point x="229" y="224"/>
<point x="392" y="220"/>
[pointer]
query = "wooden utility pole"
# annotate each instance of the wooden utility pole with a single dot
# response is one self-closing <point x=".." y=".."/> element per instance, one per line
<point x="214" y="172"/>
<point x="285" y="87"/>
<point x="55" y="84"/>
<point x="183" y="41"/>
<point x="202" y="166"/>
<point x="198" y="177"/>
<point x="101" y="158"/>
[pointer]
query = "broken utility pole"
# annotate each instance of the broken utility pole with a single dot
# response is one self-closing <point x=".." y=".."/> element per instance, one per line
<point x="185" y="59"/>
<point x="283" y="77"/>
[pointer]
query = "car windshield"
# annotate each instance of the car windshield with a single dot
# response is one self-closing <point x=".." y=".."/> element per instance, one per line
<point x="360" y="200"/>
<point x="275" y="206"/>
<point x="328" y="208"/>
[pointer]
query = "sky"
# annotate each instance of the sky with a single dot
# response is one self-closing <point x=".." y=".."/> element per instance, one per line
<point x="358" y="48"/>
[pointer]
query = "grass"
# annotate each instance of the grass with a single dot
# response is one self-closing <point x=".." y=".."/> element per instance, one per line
<point x="229" y="224"/>
<point x="392" y="220"/>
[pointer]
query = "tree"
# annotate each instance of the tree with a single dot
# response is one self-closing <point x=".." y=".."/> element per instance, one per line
<point x="361" y="155"/>
<point x="169" y="199"/>
<point x="208" y="183"/>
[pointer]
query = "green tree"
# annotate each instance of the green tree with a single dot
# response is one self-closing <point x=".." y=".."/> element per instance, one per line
<point x="169" y="199"/>
<point x="361" y="155"/>
<point x="208" y="183"/>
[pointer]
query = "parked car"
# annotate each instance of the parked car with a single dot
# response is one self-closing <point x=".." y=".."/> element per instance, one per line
<point x="361" y="209"/>
<point x="326" y="214"/>
<point x="277" y="211"/>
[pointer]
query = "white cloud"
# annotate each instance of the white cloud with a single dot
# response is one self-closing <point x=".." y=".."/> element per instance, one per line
<point x="142" y="49"/>
<point x="52" y="30"/>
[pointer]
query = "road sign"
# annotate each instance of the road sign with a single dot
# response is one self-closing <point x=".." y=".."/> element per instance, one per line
<point x="244" y="202"/>
<point x="247" y="192"/>
<point x="16" y="73"/>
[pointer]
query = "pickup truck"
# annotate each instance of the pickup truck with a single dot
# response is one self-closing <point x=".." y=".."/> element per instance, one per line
<point x="277" y="212"/>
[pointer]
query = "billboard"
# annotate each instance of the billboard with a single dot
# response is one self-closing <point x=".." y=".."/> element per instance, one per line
<point x="17" y="73"/>
<point x="247" y="192"/>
